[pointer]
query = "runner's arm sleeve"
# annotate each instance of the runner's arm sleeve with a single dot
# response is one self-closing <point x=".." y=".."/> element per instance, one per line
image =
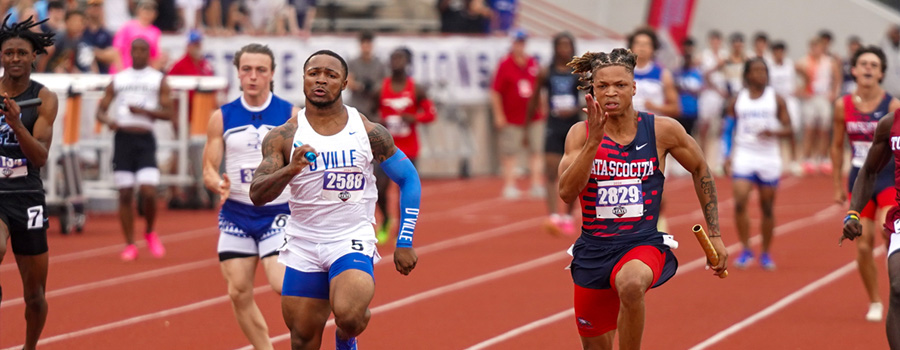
<point x="401" y="170"/>
<point x="727" y="135"/>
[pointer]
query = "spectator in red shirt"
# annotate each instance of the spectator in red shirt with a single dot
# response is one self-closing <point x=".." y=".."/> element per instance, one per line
<point x="193" y="63"/>
<point x="512" y="88"/>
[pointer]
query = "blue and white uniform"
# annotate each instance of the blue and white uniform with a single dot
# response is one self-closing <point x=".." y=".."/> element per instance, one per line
<point x="247" y="230"/>
<point x="756" y="158"/>
<point x="649" y="87"/>
<point x="332" y="209"/>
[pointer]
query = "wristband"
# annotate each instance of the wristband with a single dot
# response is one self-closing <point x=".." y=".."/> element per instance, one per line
<point x="850" y="217"/>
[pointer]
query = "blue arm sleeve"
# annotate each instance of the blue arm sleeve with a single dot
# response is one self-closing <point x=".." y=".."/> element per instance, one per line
<point x="727" y="135"/>
<point x="401" y="170"/>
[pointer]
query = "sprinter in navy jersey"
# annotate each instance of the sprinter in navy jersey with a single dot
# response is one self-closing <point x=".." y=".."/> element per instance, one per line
<point x="248" y="235"/>
<point x="25" y="136"/>
<point x="614" y="165"/>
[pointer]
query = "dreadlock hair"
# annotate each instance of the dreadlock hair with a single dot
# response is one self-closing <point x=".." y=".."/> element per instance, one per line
<point x="592" y="61"/>
<point x="22" y="30"/>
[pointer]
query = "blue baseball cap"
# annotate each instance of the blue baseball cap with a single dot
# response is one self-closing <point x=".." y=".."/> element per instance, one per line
<point x="194" y="36"/>
<point x="519" y="35"/>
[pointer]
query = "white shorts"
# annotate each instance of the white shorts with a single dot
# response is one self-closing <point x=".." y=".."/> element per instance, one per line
<point x="761" y="169"/>
<point x="793" y="109"/>
<point x="306" y="256"/>
<point x="817" y="113"/>
<point x="144" y="176"/>
<point x="235" y="243"/>
<point x="894" y="245"/>
<point x="710" y="105"/>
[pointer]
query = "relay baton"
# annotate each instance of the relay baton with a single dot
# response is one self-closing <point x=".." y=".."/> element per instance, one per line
<point x="711" y="254"/>
<point x="310" y="157"/>
<point x="32" y="102"/>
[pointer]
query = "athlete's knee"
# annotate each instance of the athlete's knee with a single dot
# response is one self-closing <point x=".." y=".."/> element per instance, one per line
<point x="125" y="197"/>
<point x="35" y="299"/>
<point x="895" y="287"/>
<point x="240" y="293"/>
<point x="768" y="210"/>
<point x="631" y="290"/>
<point x="864" y="248"/>
<point x="352" y="323"/>
<point x="301" y="340"/>
<point x="740" y="206"/>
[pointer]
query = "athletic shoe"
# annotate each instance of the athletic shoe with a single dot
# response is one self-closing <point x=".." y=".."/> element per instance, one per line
<point x="510" y="192"/>
<point x="744" y="260"/>
<point x="538" y="192"/>
<point x="874" y="314"/>
<point x="809" y="168"/>
<point x="766" y="262"/>
<point x="155" y="245"/>
<point x="341" y="344"/>
<point x="382" y="235"/>
<point x="568" y="225"/>
<point x="553" y="225"/>
<point x="130" y="253"/>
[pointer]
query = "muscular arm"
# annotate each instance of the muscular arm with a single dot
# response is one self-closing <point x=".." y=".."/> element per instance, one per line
<point x="879" y="155"/>
<point x="675" y="139"/>
<point x="576" y="163"/>
<point x="534" y="101"/>
<point x="381" y="140"/>
<point x="213" y="152"/>
<point x="837" y="147"/>
<point x="275" y="172"/>
<point x="36" y="144"/>
<point x="105" y="102"/>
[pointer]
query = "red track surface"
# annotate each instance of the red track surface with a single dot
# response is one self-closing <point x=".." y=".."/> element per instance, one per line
<point x="485" y="268"/>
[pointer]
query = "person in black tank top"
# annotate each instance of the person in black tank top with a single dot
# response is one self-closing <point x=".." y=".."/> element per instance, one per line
<point x="25" y="136"/>
<point x="614" y="164"/>
<point x="563" y="99"/>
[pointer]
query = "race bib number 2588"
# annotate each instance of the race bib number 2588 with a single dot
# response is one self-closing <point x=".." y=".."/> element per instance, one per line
<point x="345" y="185"/>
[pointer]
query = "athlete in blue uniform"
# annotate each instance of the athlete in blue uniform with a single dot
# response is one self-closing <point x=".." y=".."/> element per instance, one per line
<point x="614" y="165"/>
<point x="248" y="234"/>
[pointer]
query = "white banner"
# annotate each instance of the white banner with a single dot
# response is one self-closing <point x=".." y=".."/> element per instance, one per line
<point x="462" y="65"/>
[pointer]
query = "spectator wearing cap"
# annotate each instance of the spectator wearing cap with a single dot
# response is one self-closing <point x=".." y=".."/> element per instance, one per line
<point x="511" y="89"/>
<point x="193" y="63"/>
<point x="99" y="38"/>
<point x="140" y="27"/>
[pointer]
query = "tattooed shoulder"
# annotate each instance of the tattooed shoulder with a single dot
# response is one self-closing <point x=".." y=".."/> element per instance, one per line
<point x="381" y="141"/>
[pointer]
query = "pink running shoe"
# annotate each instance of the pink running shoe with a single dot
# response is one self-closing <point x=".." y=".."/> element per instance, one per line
<point x="567" y="225"/>
<point x="130" y="253"/>
<point x="809" y="168"/>
<point x="552" y="225"/>
<point x="825" y="168"/>
<point x="155" y="245"/>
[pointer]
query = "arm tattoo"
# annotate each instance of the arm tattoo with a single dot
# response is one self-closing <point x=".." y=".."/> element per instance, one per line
<point x="271" y="178"/>
<point x="382" y="143"/>
<point x="709" y="200"/>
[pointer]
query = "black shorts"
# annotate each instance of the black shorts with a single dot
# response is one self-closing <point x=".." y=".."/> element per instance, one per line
<point x="24" y="216"/>
<point x="555" y="134"/>
<point x="688" y="124"/>
<point x="134" y="151"/>
<point x="595" y="257"/>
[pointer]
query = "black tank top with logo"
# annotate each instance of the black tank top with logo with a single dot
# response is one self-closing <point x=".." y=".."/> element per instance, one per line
<point x="17" y="174"/>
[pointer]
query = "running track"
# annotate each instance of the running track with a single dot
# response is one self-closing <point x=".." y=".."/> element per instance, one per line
<point x="488" y="277"/>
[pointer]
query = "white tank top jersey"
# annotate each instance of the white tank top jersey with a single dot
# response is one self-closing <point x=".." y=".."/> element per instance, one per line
<point x="140" y="88"/>
<point x="334" y="198"/>
<point x="243" y="154"/>
<point x="753" y="117"/>
<point x="783" y="77"/>
<point x="822" y="75"/>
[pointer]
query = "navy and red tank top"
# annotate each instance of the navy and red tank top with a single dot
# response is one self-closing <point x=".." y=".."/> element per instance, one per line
<point x="624" y="191"/>
<point x="861" y="127"/>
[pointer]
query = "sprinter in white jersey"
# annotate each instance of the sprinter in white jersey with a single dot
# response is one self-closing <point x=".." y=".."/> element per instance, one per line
<point x="141" y="95"/>
<point x="325" y="154"/>
<point x="247" y="234"/>
<point x="761" y="118"/>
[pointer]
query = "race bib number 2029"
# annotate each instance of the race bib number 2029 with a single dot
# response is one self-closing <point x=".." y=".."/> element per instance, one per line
<point x="619" y="199"/>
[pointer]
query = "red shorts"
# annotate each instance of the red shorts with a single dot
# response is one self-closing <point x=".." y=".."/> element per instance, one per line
<point x="883" y="199"/>
<point x="597" y="310"/>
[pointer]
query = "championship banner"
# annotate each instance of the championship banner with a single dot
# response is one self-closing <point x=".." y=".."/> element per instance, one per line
<point x="456" y="69"/>
<point x="672" y="16"/>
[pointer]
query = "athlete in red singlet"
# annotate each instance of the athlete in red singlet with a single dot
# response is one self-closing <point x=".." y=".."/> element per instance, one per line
<point x="858" y="114"/>
<point x="401" y="105"/>
<point x="614" y="164"/>
<point x="885" y="145"/>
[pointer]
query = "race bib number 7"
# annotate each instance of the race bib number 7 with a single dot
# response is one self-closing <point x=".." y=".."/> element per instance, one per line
<point x="619" y="199"/>
<point x="345" y="185"/>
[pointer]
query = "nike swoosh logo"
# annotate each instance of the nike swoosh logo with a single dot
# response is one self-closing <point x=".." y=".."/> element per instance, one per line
<point x="352" y="132"/>
<point x="641" y="146"/>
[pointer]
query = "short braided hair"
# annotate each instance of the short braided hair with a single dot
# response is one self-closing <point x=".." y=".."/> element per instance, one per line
<point x="591" y="61"/>
<point x="39" y="40"/>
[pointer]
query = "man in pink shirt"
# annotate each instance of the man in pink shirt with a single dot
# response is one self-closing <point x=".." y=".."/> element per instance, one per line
<point x="512" y="88"/>
<point x="139" y="27"/>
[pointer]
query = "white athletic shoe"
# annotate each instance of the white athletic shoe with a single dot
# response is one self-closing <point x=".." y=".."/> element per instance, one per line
<point x="874" y="314"/>
<point x="511" y="192"/>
